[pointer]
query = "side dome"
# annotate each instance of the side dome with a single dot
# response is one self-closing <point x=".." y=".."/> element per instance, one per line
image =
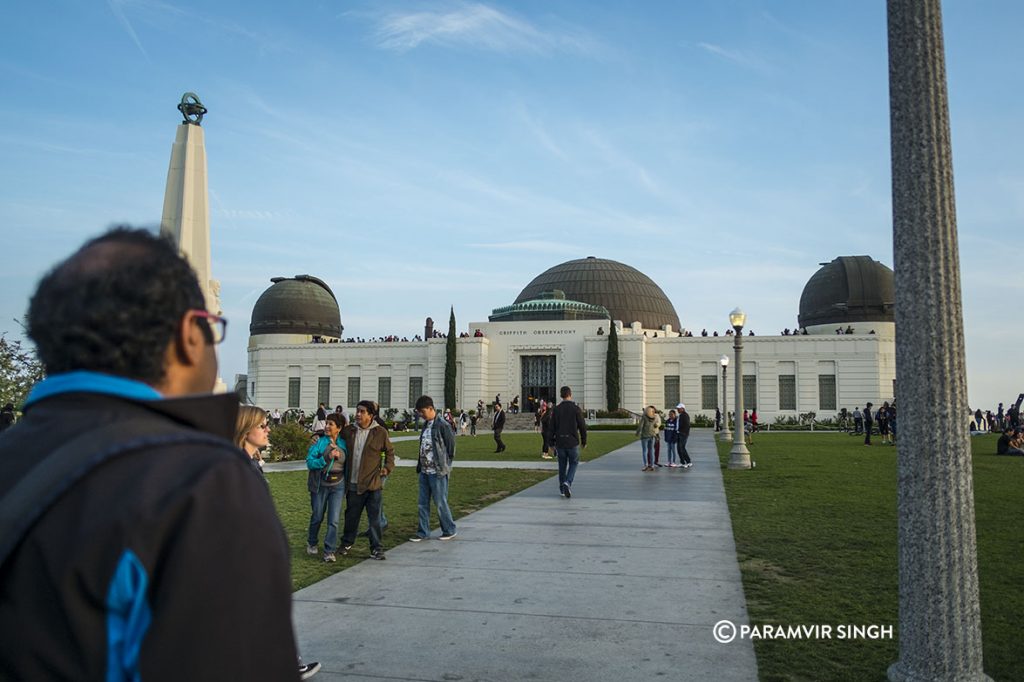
<point x="628" y="294"/>
<point x="849" y="289"/>
<point x="298" y="305"/>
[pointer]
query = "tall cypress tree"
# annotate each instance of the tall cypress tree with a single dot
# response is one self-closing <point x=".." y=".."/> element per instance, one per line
<point x="611" y="378"/>
<point x="449" y="364"/>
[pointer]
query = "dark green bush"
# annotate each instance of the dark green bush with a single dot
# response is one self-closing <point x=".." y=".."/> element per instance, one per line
<point x="289" y="441"/>
<point x="620" y="413"/>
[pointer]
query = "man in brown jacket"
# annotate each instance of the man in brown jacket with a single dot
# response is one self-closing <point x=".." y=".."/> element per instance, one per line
<point x="366" y="441"/>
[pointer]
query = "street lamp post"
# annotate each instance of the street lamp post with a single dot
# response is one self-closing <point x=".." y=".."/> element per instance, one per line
<point x="725" y="435"/>
<point x="739" y="456"/>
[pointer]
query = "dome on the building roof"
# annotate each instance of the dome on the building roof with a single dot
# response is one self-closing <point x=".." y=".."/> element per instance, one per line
<point x="628" y="294"/>
<point x="550" y="305"/>
<point x="298" y="305"/>
<point x="849" y="289"/>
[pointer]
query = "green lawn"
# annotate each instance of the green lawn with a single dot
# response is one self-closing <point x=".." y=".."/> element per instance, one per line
<point x="470" y="490"/>
<point x="815" y="528"/>
<point x="522" y="447"/>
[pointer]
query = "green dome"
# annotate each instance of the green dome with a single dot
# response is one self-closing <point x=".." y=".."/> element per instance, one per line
<point x="552" y="305"/>
<point x="626" y="293"/>
<point x="299" y="305"/>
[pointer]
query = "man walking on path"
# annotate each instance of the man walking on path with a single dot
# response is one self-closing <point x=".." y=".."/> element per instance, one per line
<point x="437" y="450"/>
<point x="568" y="434"/>
<point x="159" y="584"/>
<point x="497" y="425"/>
<point x="682" y="435"/>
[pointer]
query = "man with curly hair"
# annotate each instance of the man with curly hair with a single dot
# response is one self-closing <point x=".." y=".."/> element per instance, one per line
<point x="158" y="555"/>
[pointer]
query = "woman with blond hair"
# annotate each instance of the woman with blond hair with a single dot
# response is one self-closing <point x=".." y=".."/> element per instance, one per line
<point x="252" y="433"/>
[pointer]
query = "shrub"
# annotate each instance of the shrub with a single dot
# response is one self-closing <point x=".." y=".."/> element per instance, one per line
<point x="620" y="413"/>
<point x="289" y="441"/>
<point x="702" y="420"/>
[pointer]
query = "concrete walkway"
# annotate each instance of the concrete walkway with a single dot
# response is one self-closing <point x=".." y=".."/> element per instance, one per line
<point x="622" y="582"/>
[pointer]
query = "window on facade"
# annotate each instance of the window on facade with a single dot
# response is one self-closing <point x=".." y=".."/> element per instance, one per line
<point x="353" y="391"/>
<point x="671" y="391"/>
<point x="323" y="391"/>
<point x="294" y="387"/>
<point x="749" y="391"/>
<point x="384" y="392"/>
<point x="787" y="391"/>
<point x="709" y="392"/>
<point x="415" y="390"/>
<point x="827" y="391"/>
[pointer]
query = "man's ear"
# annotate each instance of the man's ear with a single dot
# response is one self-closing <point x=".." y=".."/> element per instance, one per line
<point x="189" y="341"/>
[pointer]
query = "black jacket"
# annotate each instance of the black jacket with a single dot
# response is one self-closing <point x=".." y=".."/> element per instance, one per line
<point x="499" y="421"/>
<point x="195" y="522"/>
<point x="683" y="423"/>
<point x="568" y="427"/>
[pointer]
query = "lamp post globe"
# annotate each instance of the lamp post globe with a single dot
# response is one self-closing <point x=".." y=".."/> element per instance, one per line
<point x="725" y="434"/>
<point x="739" y="456"/>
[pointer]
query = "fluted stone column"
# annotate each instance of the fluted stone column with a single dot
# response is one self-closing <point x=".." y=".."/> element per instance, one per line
<point x="939" y="614"/>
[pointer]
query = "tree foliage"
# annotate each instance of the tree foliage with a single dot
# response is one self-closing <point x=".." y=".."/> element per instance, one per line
<point x="20" y="370"/>
<point x="613" y="388"/>
<point x="449" y="364"/>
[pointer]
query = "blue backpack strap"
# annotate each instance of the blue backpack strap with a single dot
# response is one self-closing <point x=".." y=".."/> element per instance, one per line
<point x="56" y="473"/>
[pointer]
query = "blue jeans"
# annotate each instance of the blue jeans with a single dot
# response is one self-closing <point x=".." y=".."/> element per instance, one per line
<point x="327" y="499"/>
<point x="647" y="451"/>
<point x="568" y="460"/>
<point x="671" y="451"/>
<point x="436" y="487"/>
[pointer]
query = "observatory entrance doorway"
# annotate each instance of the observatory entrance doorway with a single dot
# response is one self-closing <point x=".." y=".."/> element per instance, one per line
<point x="538" y="381"/>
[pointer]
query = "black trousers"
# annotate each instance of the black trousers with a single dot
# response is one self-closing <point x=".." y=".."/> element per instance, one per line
<point x="867" y="432"/>
<point x="497" y="440"/>
<point x="354" y="505"/>
<point x="684" y="456"/>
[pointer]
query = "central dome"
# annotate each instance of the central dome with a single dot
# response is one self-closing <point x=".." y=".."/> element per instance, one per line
<point x="628" y="294"/>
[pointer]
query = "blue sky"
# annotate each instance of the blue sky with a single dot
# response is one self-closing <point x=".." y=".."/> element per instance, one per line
<point x="417" y="155"/>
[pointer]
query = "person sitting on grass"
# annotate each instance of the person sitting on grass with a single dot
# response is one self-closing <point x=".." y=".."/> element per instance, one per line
<point x="1010" y="443"/>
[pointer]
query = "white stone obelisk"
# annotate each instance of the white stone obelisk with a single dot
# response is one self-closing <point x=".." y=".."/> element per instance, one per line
<point x="186" y="217"/>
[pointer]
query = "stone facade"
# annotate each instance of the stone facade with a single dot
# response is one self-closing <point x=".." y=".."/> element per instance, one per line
<point x="863" y="367"/>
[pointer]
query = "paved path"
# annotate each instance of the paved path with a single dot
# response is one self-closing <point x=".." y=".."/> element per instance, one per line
<point x="622" y="582"/>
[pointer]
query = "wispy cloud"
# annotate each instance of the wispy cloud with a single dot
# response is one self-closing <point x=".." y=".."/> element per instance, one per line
<point x="248" y="214"/>
<point x="534" y="246"/>
<point x="745" y="59"/>
<point x="477" y="26"/>
<point x="540" y="132"/>
<point x="117" y="7"/>
<point x="165" y="17"/>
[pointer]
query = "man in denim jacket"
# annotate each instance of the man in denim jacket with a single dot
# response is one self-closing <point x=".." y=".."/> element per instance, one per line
<point x="437" y="450"/>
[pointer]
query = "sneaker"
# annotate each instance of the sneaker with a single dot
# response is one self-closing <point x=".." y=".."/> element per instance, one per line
<point x="330" y="558"/>
<point x="312" y="550"/>
<point x="445" y="536"/>
<point x="307" y="670"/>
<point x="568" y="491"/>
<point x="546" y="457"/>
<point x="378" y="555"/>
<point x="416" y="538"/>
